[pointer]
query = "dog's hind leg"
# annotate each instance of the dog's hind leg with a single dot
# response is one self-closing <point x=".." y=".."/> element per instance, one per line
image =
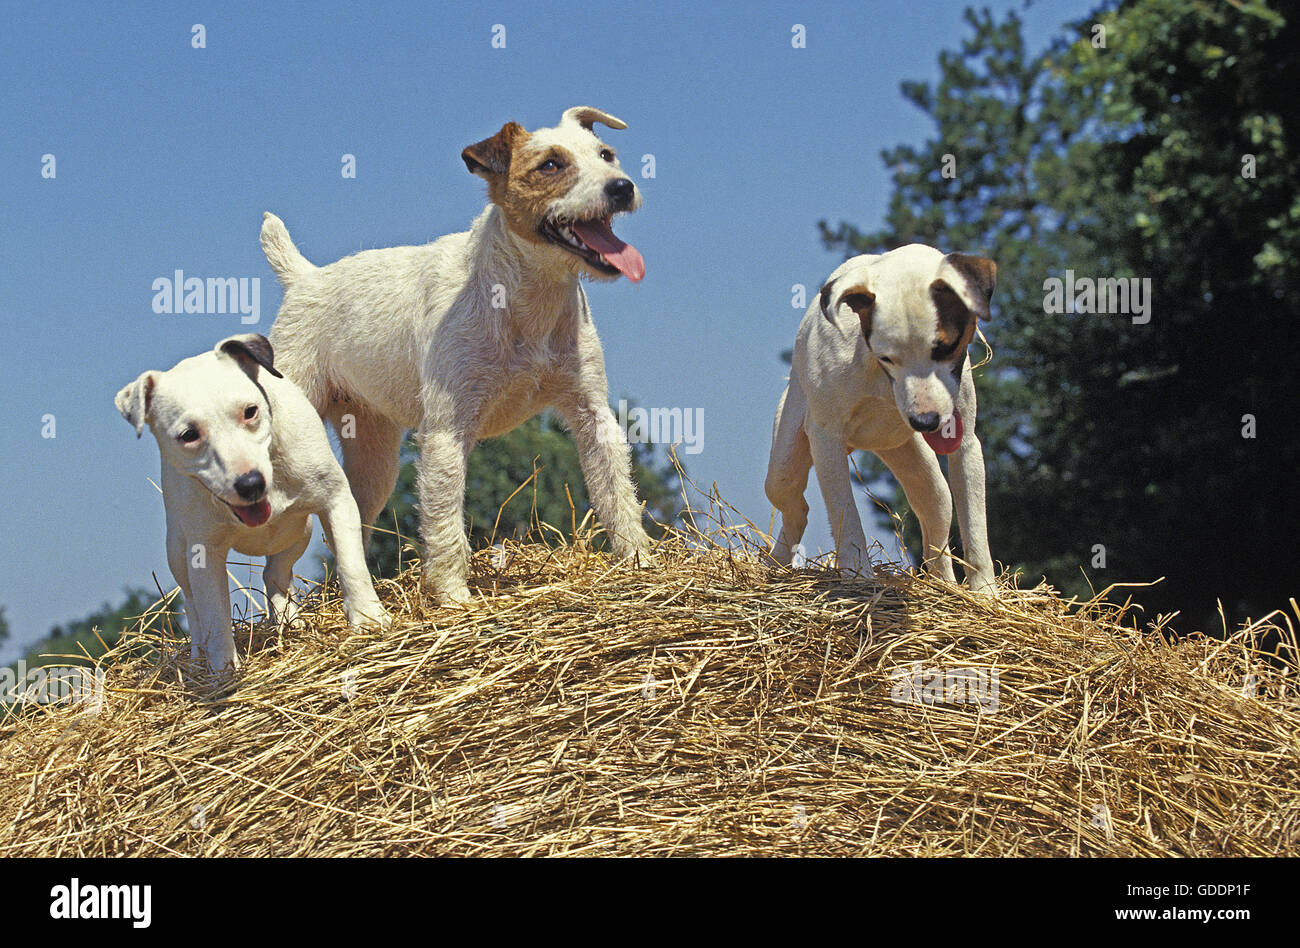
<point x="372" y="447"/>
<point x="343" y="530"/>
<point x="277" y="579"/>
<point x="787" y="472"/>
<point x="917" y="469"/>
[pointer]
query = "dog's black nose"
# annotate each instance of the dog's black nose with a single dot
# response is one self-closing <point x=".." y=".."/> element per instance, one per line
<point x="620" y="191"/>
<point x="926" y="422"/>
<point x="250" y="486"/>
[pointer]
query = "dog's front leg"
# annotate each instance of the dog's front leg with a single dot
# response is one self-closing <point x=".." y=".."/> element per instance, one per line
<point x="342" y="525"/>
<point x="917" y="469"/>
<point x="966" y="472"/>
<point x="211" y="637"/>
<point x="831" y="460"/>
<point x="441" y="487"/>
<point x="178" y="554"/>
<point x="606" y="461"/>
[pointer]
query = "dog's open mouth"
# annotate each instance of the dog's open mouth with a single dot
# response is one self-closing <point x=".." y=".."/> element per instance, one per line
<point x="595" y="243"/>
<point x="252" y="515"/>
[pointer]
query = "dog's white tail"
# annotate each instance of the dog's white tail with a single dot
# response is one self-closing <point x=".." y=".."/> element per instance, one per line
<point x="281" y="254"/>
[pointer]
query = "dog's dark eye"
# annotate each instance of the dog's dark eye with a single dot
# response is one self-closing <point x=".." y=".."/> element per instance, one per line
<point x="250" y="413"/>
<point x="607" y="155"/>
<point x="189" y="435"/>
<point x="886" y="360"/>
<point x="550" y="164"/>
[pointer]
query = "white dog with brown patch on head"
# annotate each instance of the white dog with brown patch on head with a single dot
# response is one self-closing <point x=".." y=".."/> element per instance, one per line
<point x="470" y="336"/>
<point x="245" y="464"/>
<point x="880" y="365"/>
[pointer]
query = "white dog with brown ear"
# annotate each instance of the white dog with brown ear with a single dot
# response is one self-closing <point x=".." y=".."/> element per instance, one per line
<point x="245" y="463"/>
<point x="880" y="365"/>
<point x="470" y="336"/>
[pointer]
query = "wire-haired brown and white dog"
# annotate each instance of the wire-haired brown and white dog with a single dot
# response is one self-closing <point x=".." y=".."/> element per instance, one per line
<point x="470" y="336"/>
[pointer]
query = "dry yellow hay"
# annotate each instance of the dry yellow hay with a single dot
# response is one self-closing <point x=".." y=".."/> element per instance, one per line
<point x="710" y="705"/>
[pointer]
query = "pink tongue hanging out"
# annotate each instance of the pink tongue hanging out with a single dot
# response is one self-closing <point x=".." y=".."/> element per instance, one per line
<point x="937" y="439"/>
<point x="254" y="515"/>
<point x="598" y="236"/>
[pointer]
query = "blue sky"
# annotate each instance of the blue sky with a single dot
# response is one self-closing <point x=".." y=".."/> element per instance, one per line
<point x="166" y="156"/>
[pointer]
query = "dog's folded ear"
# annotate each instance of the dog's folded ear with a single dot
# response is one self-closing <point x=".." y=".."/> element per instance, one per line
<point x="248" y="350"/>
<point x="856" y="295"/>
<point x="492" y="155"/>
<point x="133" y="401"/>
<point x="971" y="278"/>
<point x="586" y="116"/>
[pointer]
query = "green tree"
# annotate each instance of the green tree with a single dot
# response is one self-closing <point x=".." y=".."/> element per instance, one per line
<point x="497" y="467"/>
<point x="1120" y="161"/>
<point x="1199" y="126"/>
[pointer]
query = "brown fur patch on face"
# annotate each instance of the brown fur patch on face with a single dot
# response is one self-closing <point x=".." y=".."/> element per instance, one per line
<point x="956" y="323"/>
<point x="491" y="157"/>
<point x="516" y="181"/>
<point x="537" y="178"/>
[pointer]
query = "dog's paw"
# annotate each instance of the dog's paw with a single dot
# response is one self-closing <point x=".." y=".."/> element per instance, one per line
<point x="448" y="593"/>
<point x="459" y="596"/>
<point x="286" y="614"/>
<point x="855" y="562"/>
<point x="215" y="671"/>
<point x="779" y="557"/>
<point x="370" y="617"/>
<point x="643" y="559"/>
<point x="635" y="551"/>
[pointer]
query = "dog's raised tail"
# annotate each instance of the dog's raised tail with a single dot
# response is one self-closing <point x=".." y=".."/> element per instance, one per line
<point x="281" y="254"/>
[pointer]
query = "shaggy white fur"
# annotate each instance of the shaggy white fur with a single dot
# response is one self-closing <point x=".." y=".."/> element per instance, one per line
<point x="471" y="335"/>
